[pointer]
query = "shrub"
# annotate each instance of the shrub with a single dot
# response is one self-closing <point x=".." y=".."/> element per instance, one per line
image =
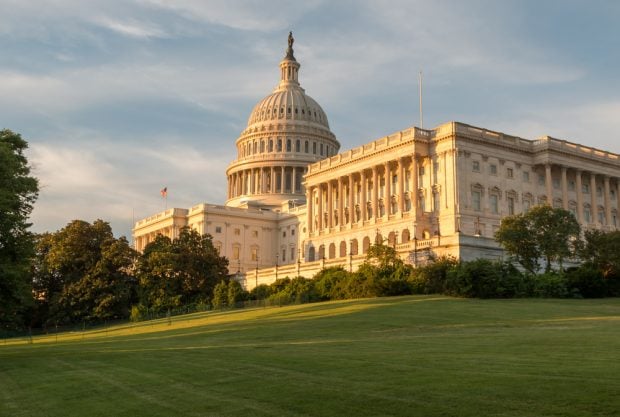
<point x="548" y="285"/>
<point x="138" y="313"/>
<point x="236" y="294"/>
<point x="587" y="281"/>
<point x="220" y="295"/>
<point x="480" y="278"/>
<point x="330" y="283"/>
<point x="431" y="278"/>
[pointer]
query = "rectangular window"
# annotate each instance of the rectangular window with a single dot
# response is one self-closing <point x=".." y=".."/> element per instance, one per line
<point x="292" y="253"/>
<point x="283" y="255"/>
<point x="509" y="172"/>
<point x="218" y="229"/>
<point x="493" y="169"/>
<point x="422" y="204"/>
<point x="298" y="146"/>
<point x="571" y="185"/>
<point x="475" y="166"/>
<point x="585" y="188"/>
<point x="526" y="205"/>
<point x="526" y="176"/>
<point x="254" y="254"/>
<point x="288" y="145"/>
<point x="306" y="147"/>
<point x="235" y="253"/>
<point x="475" y="200"/>
<point x="279" y="149"/>
<point x="293" y="232"/>
<point x="321" y="149"/>
<point x="284" y="234"/>
<point x="599" y="192"/>
<point x="586" y="214"/>
<point x="556" y="183"/>
<point x="494" y="204"/>
<point x="237" y="232"/>
<point x="314" y="148"/>
<point x="407" y="179"/>
<point x="511" y="205"/>
<point x="541" y="179"/>
<point x="601" y="217"/>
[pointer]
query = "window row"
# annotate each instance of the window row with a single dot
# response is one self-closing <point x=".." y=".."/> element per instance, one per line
<point x="279" y="145"/>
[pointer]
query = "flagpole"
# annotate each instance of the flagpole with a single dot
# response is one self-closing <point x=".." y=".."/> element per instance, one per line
<point x="420" y="92"/>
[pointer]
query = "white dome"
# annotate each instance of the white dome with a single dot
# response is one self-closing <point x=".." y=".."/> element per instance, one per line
<point x="288" y="104"/>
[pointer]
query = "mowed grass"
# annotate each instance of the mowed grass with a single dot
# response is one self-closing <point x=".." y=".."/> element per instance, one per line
<point x="402" y="356"/>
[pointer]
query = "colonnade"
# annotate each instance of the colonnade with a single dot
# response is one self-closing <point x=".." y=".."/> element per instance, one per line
<point x="380" y="190"/>
<point x="266" y="180"/>
<point x="586" y="182"/>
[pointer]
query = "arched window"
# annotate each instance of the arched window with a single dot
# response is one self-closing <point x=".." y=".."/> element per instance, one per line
<point x="365" y="244"/>
<point x="297" y="145"/>
<point x="343" y="249"/>
<point x="306" y="147"/>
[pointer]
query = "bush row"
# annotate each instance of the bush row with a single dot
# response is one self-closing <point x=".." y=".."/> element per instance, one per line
<point x="480" y="278"/>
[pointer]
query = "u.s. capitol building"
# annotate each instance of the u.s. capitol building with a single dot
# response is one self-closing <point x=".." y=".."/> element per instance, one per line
<point x="296" y="204"/>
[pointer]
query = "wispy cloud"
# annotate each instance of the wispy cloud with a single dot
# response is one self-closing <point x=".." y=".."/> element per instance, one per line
<point x="133" y="28"/>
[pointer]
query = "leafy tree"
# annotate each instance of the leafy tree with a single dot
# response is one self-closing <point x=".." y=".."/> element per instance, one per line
<point x="602" y="251"/>
<point x="18" y="192"/>
<point x="236" y="294"/>
<point x="220" y="295"/>
<point x="82" y="272"/>
<point x="542" y="232"/>
<point x="182" y="271"/>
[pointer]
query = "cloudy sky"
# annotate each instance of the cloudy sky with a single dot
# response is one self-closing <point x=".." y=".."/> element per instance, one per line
<point x="119" y="98"/>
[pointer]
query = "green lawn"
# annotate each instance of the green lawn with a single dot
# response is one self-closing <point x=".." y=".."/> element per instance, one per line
<point x="420" y="356"/>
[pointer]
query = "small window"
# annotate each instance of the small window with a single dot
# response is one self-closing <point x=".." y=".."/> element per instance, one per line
<point x="509" y="172"/>
<point x="511" y="205"/>
<point x="541" y="179"/>
<point x="218" y="229"/>
<point x="585" y="188"/>
<point x="254" y="254"/>
<point x="306" y="147"/>
<point x="321" y="149"/>
<point x="475" y="200"/>
<point x="526" y="176"/>
<point x="475" y="166"/>
<point x="297" y="145"/>
<point x="556" y="183"/>
<point x="237" y="232"/>
<point x="494" y="204"/>
<point x="235" y="253"/>
<point x="279" y="145"/>
<point x="293" y="232"/>
<point x="493" y="169"/>
<point x="314" y="148"/>
<point x="284" y="234"/>
<point x="254" y="233"/>
<point x="571" y="185"/>
<point x="599" y="192"/>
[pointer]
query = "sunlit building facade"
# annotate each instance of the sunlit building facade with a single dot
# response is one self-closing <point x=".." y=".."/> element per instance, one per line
<point x="295" y="204"/>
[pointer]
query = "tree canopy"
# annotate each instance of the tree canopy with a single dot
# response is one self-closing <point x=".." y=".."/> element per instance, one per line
<point x="18" y="192"/>
<point x="543" y="232"/>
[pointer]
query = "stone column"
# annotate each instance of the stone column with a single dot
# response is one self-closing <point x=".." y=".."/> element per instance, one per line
<point x="309" y="204"/>
<point x="340" y="202"/>
<point x="549" y="185"/>
<point x="607" y="201"/>
<point x="330" y="205"/>
<point x="564" y="189"/>
<point x="294" y="180"/>
<point x="415" y="185"/>
<point x="362" y="201"/>
<point x="375" y="191"/>
<point x="579" y="186"/>
<point x="282" y="179"/>
<point x="351" y="204"/>
<point x="388" y="189"/>
<point x="401" y="185"/>
<point x="319" y="211"/>
<point x="594" y="206"/>
<point x="271" y="187"/>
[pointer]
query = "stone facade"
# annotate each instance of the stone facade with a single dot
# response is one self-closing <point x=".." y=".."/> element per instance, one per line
<point x="295" y="205"/>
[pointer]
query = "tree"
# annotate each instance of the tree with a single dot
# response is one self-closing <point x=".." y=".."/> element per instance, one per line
<point x="601" y="250"/>
<point x="18" y="192"/>
<point x="82" y="272"/>
<point x="180" y="271"/>
<point x="542" y="232"/>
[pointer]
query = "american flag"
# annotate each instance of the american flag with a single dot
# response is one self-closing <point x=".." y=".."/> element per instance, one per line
<point x="164" y="192"/>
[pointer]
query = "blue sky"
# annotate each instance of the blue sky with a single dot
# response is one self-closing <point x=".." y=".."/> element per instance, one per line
<point x="121" y="98"/>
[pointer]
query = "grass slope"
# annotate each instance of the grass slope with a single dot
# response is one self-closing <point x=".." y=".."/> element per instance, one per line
<point x="418" y="356"/>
